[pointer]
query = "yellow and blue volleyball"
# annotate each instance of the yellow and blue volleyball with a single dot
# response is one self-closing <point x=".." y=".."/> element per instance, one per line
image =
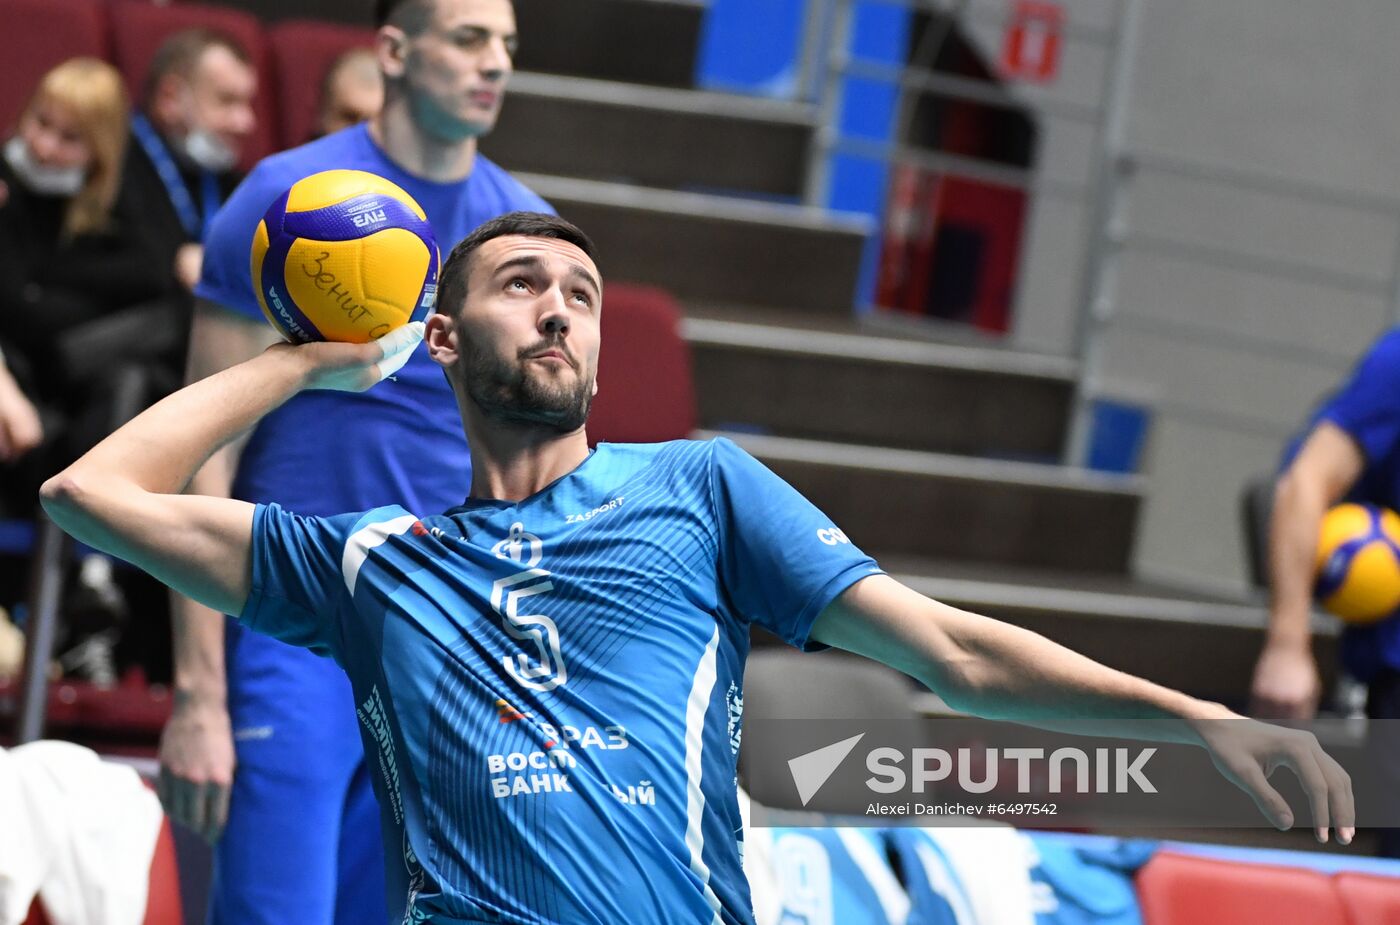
<point x="1358" y="563"/>
<point x="344" y="255"/>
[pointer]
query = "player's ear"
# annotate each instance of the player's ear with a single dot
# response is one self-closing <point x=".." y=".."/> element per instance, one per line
<point x="440" y="334"/>
<point x="391" y="48"/>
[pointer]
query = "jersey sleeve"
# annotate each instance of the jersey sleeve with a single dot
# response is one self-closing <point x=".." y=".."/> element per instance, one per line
<point x="298" y="593"/>
<point x="1368" y="406"/>
<point x="227" y="276"/>
<point x="781" y="560"/>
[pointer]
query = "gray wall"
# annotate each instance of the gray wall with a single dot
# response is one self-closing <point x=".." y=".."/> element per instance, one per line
<point x="1232" y="358"/>
<point x="1298" y="90"/>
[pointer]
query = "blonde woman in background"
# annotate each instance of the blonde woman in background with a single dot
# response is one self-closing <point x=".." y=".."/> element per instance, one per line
<point x="69" y="249"/>
<point x="72" y="255"/>
<point x="90" y="326"/>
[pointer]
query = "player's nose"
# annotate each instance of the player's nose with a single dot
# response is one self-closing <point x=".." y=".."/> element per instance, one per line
<point x="554" y="315"/>
<point x="496" y="62"/>
<point x="42" y="146"/>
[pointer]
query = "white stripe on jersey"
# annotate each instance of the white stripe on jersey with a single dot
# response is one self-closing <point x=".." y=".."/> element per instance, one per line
<point x="695" y="708"/>
<point x="359" y="544"/>
<point x="943" y="882"/>
<point x="878" y="874"/>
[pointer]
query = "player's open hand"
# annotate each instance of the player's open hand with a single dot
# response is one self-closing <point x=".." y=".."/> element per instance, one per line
<point x="196" y="766"/>
<point x="1247" y="752"/>
<point x="356" y="367"/>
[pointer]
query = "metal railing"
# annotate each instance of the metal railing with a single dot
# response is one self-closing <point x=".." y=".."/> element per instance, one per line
<point x="827" y="42"/>
<point x="828" y="62"/>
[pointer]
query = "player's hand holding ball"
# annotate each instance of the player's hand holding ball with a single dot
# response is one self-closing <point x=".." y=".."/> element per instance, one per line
<point x="355" y="367"/>
<point x="344" y="255"/>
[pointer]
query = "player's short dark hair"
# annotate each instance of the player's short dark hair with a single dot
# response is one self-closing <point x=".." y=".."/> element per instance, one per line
<point x="452" y="281"/>
<point x="410" y="15"/>
<point x="180" y="54"/>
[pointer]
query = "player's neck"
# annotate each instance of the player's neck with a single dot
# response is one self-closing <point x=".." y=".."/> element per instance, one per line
<point x="511" y="462"/>
<point x="419" y="153"/>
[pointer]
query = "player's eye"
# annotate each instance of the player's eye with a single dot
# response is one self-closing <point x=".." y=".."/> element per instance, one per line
<point x="584" y="298"/>
<point x="518" y="284"/>
<point x="471" y="39"/>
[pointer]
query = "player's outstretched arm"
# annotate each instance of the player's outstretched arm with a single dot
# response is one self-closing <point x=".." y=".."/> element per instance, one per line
<point x="989" y="668"/>
<point x="123" y="496"/>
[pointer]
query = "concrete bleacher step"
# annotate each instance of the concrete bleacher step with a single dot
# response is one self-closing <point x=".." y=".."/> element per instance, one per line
<point x="933" y="505"/>
<point x="638" y="41"/>
<point x="705" y="247"/>
<point x="651" y="136"/>
<point x="1204" y="645"/>
<point x="857" y="387"/>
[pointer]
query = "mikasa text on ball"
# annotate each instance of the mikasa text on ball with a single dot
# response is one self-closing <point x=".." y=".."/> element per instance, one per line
<point x="344" y="255"/>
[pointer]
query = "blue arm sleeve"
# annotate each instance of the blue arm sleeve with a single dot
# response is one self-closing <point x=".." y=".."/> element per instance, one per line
<point x="782" y="561"/>
<point x="1368" y="406"/>
<point x="227" y="276"/>
<point x="297" y="592"/>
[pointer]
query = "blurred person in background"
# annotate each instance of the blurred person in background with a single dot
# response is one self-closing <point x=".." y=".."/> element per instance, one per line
<point x="263" y="746"/>
<point x="88" y="320"/>
<point x="196" y="116"/>
<point x="352" y="92"/>
<point x="70" y="256"/>
<point x="1350" y="451"/>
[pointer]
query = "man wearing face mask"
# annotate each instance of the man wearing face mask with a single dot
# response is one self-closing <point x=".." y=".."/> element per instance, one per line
<point x="196" y="115"/>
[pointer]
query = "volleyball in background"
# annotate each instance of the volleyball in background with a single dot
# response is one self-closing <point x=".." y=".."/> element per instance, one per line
<point x="1358" y="563"/>
<point x="344" y="255"/>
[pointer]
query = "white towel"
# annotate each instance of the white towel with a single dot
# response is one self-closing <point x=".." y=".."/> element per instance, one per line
<point x="78" y="831"/>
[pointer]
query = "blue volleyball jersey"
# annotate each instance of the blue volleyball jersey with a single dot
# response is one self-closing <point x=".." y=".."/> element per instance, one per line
<point x="552" y="689"/>
<point x="936" y="892"/>
<point x="400" y="442"/>
<point x="1367" y="408"/>
<point x="836" y="876"/>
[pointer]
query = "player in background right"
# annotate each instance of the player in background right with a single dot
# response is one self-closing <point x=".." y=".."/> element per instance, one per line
<point x="1350" y="451"/>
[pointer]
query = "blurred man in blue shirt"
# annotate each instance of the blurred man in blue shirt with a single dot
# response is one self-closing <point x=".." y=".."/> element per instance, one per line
<point x="1351" y="451"/>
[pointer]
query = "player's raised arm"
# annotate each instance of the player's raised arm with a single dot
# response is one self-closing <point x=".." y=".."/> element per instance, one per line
<point x="123" y="496"/>
<point x="989" y="668"/>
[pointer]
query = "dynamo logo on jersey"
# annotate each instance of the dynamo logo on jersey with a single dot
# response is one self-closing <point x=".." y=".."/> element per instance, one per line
<point x="546" y="670"/>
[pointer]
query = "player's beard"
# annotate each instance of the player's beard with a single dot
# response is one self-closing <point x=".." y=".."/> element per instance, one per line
<point x="508" y="391"/>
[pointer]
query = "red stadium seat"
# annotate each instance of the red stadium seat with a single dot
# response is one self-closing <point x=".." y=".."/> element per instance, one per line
<point x="39" y="34"/>
<point x="1178" y="889"/>
<point x="163" y="906"/>
<point x="303" y="51"/>
<point x="139" y="28"/>
<point x="1369" y="899"/>
<point x="645" y="390"/>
